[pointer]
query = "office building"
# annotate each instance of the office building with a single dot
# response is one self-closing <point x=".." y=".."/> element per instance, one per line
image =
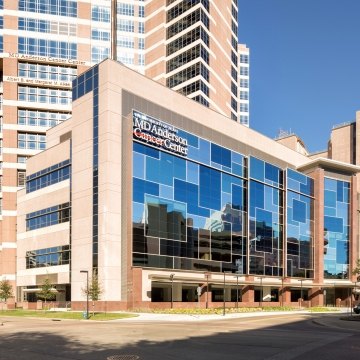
<point x="169" y="210"/>
<point x="190" y="46"/>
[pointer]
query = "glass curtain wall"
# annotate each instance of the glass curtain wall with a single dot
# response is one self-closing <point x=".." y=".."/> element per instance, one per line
<point x="265" y="219"/>
<point x="300" y="225"/>
<point x="336" y="228"/>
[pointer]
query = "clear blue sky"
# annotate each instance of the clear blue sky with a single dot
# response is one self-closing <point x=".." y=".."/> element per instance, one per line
<point x="304" y="65"/>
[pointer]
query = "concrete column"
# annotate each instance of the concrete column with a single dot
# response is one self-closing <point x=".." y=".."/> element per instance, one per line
<point x="177" y="292"/>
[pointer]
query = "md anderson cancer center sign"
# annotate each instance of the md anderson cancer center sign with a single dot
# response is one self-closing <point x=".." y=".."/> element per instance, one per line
<point x="157" y="133"/>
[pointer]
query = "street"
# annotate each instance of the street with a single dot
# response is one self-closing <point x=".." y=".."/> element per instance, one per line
<point x="275" y="337"/>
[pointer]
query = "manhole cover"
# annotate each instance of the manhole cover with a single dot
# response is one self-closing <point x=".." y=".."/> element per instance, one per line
<point x="122" y="357"/>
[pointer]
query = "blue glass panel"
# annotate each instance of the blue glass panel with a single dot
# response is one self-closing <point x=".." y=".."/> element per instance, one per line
<point x="334" y="224"/>
<point x="256" y="197"/>
<point x="237" y="197"/>
<point x="237" y="169"/>
<point x="342" y="252"/>
<point x="330" y="198"/>
<point x="263" y="223"/>
<point x="329" y="211"/>
<point x="146" y="150"/>
<point x="220" y="155"/>
<point x="342" y="210"/>
<point x="275" y="198"/>
<point x="330" y="184"/>
<point x="166" y="192"/>
<point x="142" y="187"/>
<point x="179" y="168"/>
<point x="210" y="190"/>
<point x="138" y="165"/>
<point x="307" y="189"/>
<point x="272" y="173"/>
<point x="192" y="172"/>
<point x="192" y="139"/>
<point x="299" y="211"/>
<point x="138" y="212"/>
<point x="340" y="192"/>
<point x="201" y="154"/>
<point x="346" y="193"/>
<point x="237" y="158"/>
<point x="153" y="170"/>
<point x="257" y="169"/>
<point x="215" y="165"/>
<point x="225" y="200"/>
<point x="226" y="182"/>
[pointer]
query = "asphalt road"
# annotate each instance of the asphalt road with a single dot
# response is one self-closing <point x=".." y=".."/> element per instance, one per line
<point x="274" y="337"/>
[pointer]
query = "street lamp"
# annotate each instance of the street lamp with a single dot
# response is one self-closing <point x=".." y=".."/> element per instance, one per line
<point x="224" y="296"/>
<point x="261" y="292"/>
<point x="172" y="288"/>
<point x="207" y="290"/>
<point x="87" y="291"/>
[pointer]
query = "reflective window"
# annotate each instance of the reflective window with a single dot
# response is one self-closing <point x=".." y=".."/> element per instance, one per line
<point x="187" y="21"/>
<point x="47" y="72"/>
<point x="300" y="225"/>
<point x="48" y="217"/>
<point x="54" y="7"/>
<point x="44" y="95"/>
<point x="58" y="255"/>
<point x="187" y="215"/>
<point x="336" y="228"/>
<point x="47" y="26"/>
<point x="31" y="141"/>
<point x="44" y="47"/>
<point x="100" y="13"/>
<point x="41" y="118"/>
<point x="46" y="177"/>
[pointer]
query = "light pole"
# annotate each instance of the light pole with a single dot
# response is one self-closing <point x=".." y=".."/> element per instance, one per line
<point x="261" y="292"/>
<point x="282" y="291"/>
<point x="172" y="288"/>
<point x="224" y="296"/>
<point x="87" y="291"/>
<point x="301" y="292"/>
<point x="207" y="290"/>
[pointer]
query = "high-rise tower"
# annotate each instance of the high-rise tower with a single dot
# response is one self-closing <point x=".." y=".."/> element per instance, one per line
<point x="190" y="46"/>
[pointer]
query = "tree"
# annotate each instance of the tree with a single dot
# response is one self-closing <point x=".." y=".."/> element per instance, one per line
<point x="46" y="291"/>
<point x="356" y="270"/>
<point x="6" y="291"/>
<point x="94" y="290"/>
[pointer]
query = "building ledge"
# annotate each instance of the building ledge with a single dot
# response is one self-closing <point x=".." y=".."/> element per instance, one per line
<point x="330" y="164"/>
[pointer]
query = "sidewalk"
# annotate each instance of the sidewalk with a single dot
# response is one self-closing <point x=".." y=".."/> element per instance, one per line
<point x="340" y="319"/>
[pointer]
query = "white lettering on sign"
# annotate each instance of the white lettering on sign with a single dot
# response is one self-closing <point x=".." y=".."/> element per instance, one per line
<point x="158" y="133"/>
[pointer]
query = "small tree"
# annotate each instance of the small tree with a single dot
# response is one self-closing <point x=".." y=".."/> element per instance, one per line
<point x="46" y="291"/>
<point x="356" y="270"/>
<point x="94" y="291"/>
<point x="6" y="291"/>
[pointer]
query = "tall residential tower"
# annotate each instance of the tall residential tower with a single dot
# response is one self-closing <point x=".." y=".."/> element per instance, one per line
<point x="190" y="46"/>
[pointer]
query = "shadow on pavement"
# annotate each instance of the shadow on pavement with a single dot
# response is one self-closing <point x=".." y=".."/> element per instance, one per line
<point x="227" y="340"/>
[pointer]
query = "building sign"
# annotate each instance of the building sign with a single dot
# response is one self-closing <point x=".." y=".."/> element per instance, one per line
<point x="158" y="133"/>
<point x="30" y="81"/>
<point x="47" y="59"/>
